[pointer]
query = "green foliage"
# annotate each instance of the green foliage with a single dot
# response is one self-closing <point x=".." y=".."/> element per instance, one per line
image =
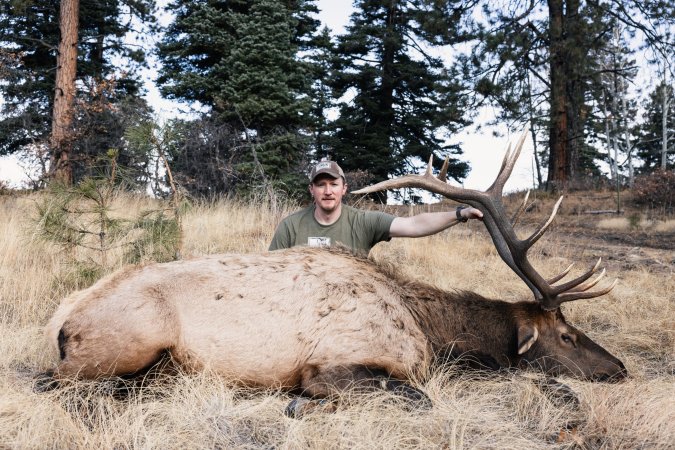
<point x="263" y="94"/>
<point x="240" y="60"/>
<point x="29" y="37"/>
<point x="28" y="40"/>
<point x="265" y="79"/>
<point x="82" y="220"/>
<point x="656" y="190"/>
<point x="634" y="221"/>
<point x="405" y="102"/>
<point x="158" y="238"/>
<point x="103" y="122"/>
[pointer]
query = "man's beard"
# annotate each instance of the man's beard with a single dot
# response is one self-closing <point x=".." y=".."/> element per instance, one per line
<point x="322" y="205"/>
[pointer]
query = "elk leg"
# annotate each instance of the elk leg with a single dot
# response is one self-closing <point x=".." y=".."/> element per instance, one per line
<point x="325" y="385"/>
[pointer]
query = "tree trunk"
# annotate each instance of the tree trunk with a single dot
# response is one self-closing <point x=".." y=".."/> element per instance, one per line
<point x="626" y="135"/>
<point x="575" y="89"/>
<point x="558" y="163"/>
<point x="385" y="118"/>
<point x="535" y="154"/>
<point x="64" y="95"/>
<point x="532" y="113"/>
<point x="611" y="156"/>
<point x="568" y="108"/>
<point x="666" y="101"/>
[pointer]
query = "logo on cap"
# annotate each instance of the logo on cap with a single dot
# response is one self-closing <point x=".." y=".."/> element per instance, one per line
<point x="329" y="168"/>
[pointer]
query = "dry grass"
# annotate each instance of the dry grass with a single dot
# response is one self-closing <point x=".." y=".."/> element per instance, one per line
<point x="635" y="322"/>
<point x="624" y="224"/>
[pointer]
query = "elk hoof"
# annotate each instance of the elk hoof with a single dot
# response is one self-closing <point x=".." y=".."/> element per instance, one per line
<point x="415" y="398"/>
<point x="301" y="406"/>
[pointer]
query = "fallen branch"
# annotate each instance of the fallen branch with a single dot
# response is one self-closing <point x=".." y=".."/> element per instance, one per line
<point x="604" y="211"/>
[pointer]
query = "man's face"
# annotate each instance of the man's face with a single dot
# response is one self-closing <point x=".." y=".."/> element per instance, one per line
<point x="327" y="192"/>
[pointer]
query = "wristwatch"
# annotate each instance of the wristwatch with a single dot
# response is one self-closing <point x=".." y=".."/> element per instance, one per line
<point x="458" y="213"/>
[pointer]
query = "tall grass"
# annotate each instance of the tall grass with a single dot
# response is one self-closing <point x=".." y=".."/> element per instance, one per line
<point x="511" y="411"/>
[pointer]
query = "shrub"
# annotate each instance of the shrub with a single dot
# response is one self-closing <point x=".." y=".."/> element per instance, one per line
<point x="656" y="190"/>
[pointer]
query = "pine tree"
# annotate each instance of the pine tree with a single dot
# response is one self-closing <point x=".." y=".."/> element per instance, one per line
<point x="240" y="60"/>
<point x="553" y="41"/>
<point x="28" y="39"/>
<point x="319" y="62"/>
<point x="29" y="36"/>
<point x="402" y="101"/>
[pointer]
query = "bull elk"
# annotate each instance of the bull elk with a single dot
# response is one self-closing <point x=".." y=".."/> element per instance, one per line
<point x="320" y="320"/>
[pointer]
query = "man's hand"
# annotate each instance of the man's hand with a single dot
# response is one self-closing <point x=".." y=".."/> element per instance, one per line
<point x="471" y="213"/>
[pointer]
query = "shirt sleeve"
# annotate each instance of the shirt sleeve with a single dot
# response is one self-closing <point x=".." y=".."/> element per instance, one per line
<point x="379" y="224"/>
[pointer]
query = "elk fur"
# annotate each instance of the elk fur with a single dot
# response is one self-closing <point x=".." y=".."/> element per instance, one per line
<point x="299" y="317"/>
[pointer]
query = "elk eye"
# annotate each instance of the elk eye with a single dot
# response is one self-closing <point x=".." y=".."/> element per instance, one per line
<point x="567" y="339"/>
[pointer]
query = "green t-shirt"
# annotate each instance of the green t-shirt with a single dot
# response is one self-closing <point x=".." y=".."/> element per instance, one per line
<point x="356" y="229"/>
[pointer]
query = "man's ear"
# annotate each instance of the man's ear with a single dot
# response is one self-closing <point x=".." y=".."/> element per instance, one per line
<point x="527" y="336"/>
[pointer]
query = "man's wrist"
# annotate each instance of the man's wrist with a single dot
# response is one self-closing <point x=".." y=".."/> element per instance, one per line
<point x="458" y="214"/>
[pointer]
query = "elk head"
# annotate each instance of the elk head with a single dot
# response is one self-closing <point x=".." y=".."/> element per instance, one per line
<point x="544" y="338"/>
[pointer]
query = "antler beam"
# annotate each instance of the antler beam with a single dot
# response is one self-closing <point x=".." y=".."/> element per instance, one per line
<point x="511" y="249"/>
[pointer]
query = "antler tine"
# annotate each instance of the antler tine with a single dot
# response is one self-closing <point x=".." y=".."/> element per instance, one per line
<point x="430" y="166"/>
<point x="443" y="174"/>
<point x="578" y="280"/>
<point x="589" y="284"/>
<point x="542" y="229"/>
<point x="427" y="181"/>
<point x="571" y="296"/>
<point x="516" y="216"/>
<point x="506" y="157"/>
<point x="561" y="275"/>
<point x="508" y="163"/>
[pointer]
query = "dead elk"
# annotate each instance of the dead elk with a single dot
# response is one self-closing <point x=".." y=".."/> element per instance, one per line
<point x="324" y="320"/>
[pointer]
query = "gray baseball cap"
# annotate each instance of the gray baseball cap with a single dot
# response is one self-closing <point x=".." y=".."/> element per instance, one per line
<point x="328" y="167"/>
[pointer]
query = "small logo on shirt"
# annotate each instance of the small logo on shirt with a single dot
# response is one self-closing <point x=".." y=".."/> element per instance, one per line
<point x="318" y="241"/>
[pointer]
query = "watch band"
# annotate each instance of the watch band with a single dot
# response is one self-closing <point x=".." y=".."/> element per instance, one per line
<point x="458" y="213"/>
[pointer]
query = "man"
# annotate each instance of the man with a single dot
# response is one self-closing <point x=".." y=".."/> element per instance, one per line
<point x="328" y="222"/>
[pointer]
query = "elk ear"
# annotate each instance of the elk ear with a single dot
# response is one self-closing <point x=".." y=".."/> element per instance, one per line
<point x="527" y="336"/>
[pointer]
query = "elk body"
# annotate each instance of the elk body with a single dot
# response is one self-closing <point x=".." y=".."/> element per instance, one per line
<point x="329" y="317"/>
<point x="319" y="320"/>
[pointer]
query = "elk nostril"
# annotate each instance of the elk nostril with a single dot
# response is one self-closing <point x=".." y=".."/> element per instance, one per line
<point x="623" y="373"/>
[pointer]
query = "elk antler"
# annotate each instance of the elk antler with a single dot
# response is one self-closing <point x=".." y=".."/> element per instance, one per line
<point x="511" y="249"/>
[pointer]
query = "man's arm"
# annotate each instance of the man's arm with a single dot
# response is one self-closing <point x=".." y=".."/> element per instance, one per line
<point x="426" y="224"/>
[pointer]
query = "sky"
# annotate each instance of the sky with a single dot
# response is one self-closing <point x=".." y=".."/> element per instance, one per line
<point x="482" y="150"/>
